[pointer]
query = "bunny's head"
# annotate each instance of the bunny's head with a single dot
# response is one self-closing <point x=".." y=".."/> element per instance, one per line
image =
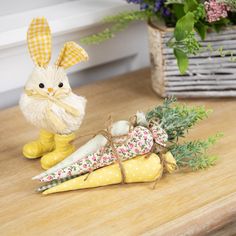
<point x="47" y="79"/>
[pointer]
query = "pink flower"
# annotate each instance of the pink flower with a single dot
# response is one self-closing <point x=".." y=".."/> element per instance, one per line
<point x="155" y="135"/>
<point x="140" y="143"/>
<point x="131" y="145"/>
<point x="215" y="10"/>
<point x="49" y="177"/>
<point x="136" y="150"/>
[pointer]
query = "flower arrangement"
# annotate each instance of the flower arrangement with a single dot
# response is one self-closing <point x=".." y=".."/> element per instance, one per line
<point x="189" y="18"/>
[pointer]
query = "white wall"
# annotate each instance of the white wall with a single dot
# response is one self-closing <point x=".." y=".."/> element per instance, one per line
<point x="69" y="20"/>
<point x="16" y="6"/>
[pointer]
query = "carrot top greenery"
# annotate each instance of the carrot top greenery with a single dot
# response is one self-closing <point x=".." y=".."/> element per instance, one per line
<point x="177" y="119"/>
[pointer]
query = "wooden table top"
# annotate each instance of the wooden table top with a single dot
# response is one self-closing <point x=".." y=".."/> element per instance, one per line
<point x="193" y="203"/>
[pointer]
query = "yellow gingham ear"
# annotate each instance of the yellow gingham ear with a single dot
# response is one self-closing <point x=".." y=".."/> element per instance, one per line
<point x="39" y="41"/>
<point x="70" y="55"/>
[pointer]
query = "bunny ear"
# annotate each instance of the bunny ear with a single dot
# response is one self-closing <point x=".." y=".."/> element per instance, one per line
<point x="70" y="55"/>
<point x="39" y="41"/>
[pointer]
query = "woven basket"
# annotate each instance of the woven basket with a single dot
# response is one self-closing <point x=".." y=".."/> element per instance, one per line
<point x="208" y="75"/>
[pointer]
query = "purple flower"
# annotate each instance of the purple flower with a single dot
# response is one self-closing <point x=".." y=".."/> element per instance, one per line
<point x="158" y="5"/>
<point x="135" y="1"/>
<point x="143" y="6"/>
<point x="165" y="11"/>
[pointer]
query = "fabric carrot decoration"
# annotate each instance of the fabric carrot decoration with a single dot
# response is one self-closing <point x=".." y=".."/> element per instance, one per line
<point x="93" y="145"/>
<point x="54" y="183"/>
<point x="138" y="169"/>
<point x="139" y="142"/>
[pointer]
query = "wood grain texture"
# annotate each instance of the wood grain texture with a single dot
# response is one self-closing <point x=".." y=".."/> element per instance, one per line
<point x="182" y="204"/>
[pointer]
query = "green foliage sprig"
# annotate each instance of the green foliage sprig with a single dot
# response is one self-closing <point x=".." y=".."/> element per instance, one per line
<point x="188" y="17"/>
<point x="119" y="22"/>
<point x="184" y="42"/>
<point x="177" y="119"/>
<point x="193" y="154"/>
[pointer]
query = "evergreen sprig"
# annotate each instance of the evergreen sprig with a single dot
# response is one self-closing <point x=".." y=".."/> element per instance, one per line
<point x="118" y="23"/>
<point x="177" y="119"/>
<point x="193" y="154"/>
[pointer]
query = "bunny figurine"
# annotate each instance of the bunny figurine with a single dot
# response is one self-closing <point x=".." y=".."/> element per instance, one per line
<point x="47" y="101"/>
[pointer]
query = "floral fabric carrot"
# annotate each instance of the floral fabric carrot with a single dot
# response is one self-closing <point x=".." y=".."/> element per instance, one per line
<point x="138" y="169"/>
<point x="140" y="141"/>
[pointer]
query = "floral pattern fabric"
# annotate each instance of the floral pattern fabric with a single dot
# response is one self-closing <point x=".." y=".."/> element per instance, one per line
<point x="139" y="142"/>
<point x="159" y="134"/>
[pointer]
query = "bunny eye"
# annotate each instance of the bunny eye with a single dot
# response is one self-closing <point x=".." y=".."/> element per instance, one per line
<point x="41" y="85"/>
<point x="60" y="85"/>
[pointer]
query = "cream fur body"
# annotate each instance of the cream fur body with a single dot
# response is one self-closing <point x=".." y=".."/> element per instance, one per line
<point x="36" y="109"/>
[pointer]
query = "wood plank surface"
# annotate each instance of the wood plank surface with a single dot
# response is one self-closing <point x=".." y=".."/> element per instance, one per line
<point x="196" y="203"/>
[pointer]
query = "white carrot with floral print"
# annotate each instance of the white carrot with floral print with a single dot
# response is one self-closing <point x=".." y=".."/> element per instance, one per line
<point x="140" y="141"/>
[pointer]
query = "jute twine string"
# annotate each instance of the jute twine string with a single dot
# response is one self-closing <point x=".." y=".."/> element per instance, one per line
<point x="112" y="141"/>
<point x="156" y="148"/>
<point x="55" y="99"/>
<point x="163" y="163"/>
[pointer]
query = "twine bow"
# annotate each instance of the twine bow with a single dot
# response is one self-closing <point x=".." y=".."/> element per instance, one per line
<point x="112" y="141"/>
<point x="166" y="165"/>
<point x="167" y="161"/>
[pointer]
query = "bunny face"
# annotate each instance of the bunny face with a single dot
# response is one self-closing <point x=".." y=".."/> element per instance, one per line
<point x="51" y="81"/>
<point x="46" y="79"/>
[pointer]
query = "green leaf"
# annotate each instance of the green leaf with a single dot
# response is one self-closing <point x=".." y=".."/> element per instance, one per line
<point x="201" y="29"/>
<point x="178" y="10"/>
<point x="190" y="5"/>
<point x="171" y="2"/>
<point x="184" y="26"/>
<point x="218" y="25"/>
<point x="182" y="60"/>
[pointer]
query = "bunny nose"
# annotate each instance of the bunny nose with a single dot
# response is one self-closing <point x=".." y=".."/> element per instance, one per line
<point x="50" y="90"/>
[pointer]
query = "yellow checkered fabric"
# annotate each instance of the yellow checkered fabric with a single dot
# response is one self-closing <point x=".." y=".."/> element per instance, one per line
<point x="39" y="41"/>
<point x="70" y="55"/>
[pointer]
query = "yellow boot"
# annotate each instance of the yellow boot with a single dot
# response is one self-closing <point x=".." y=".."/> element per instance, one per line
<point x="40" y="147"/>
<point x="63" y="148"/>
